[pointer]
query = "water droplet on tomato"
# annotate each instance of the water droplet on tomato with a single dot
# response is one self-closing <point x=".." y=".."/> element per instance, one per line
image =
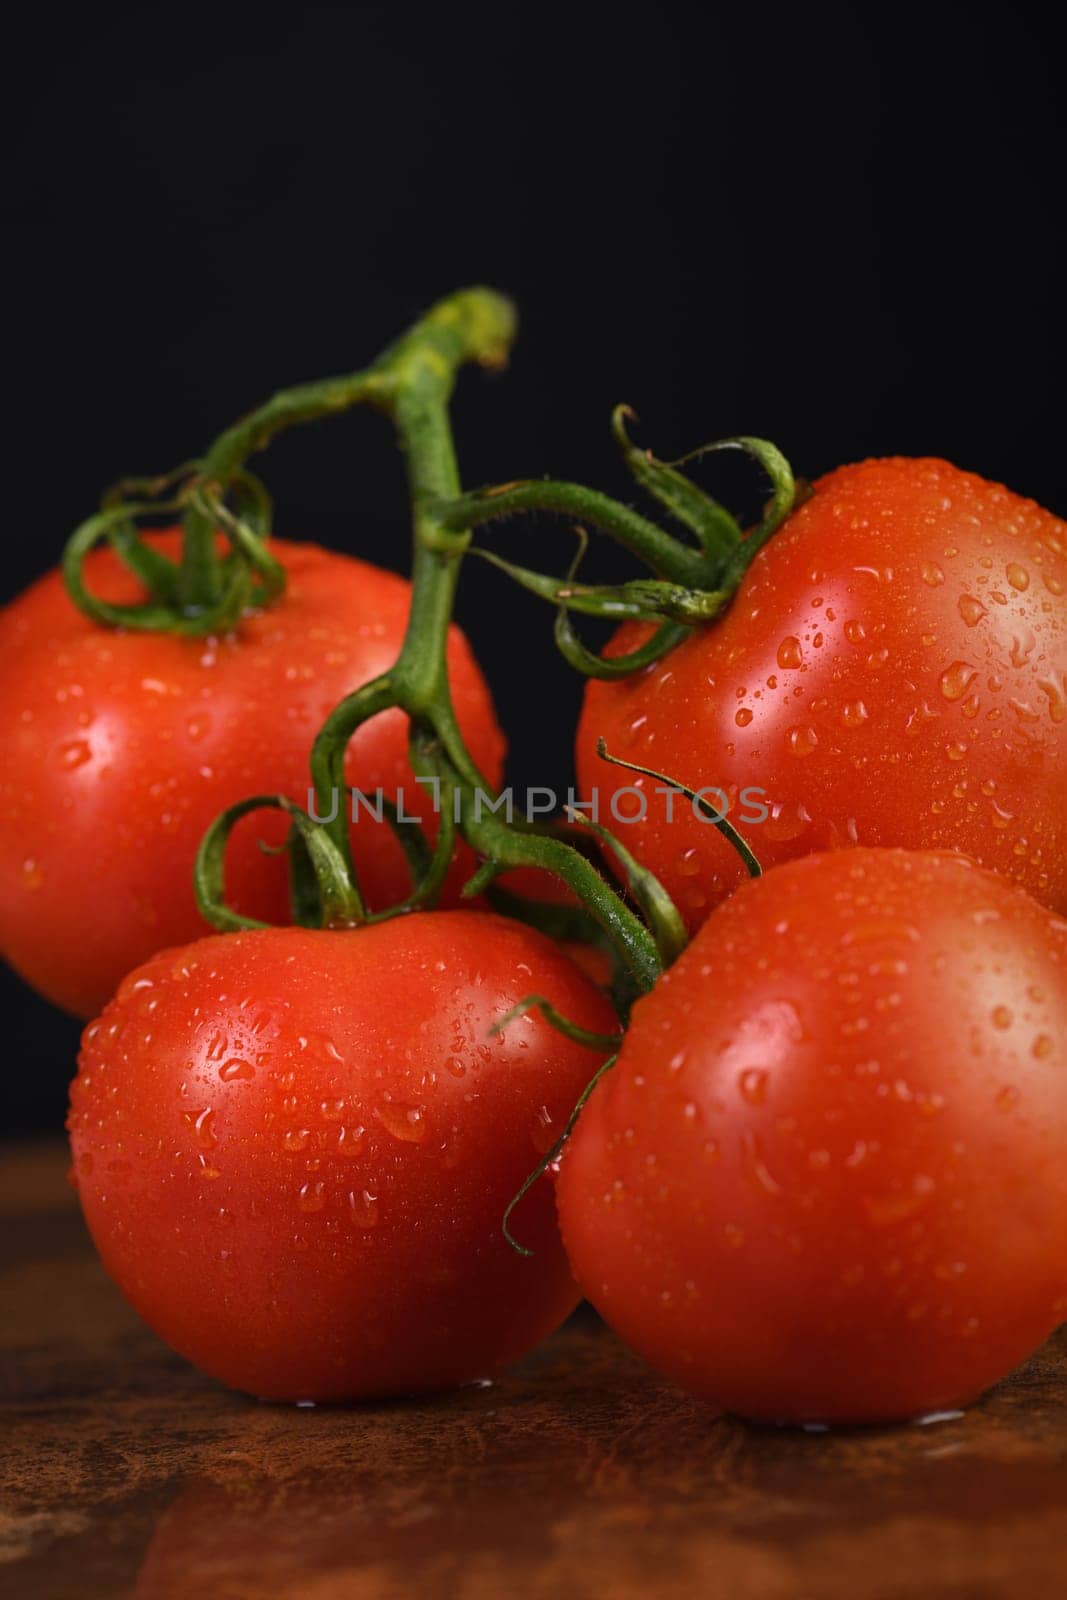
<point x="790" y="654"/>
<point x="32" y="875"/>
<point x="407" y="1123"/>
<point x="752" y="1083"/>
<point x="75" y="753"/>
<point x="786" y="822"/>
<point x="631" y="733"/>
<point x="899" y="1205"/>
<point x="971" y="610"/>
<point x="802" y="740"/>
<point x="689" y="863"/>
<point x="1022" y="647"/>
<point x="236" y="1067"/>
<point x="204" y="1129"/>
<point x="933" y="574"/>
<point x="350" y="1140"/>
<point x="542" y="1134"/>
<point x="363" y="1208"/>
<point x="1017" y="576"/>
<point x="957" y="679"/>
<point x="311" y="1197"/>
<point x="1057" y="697"/>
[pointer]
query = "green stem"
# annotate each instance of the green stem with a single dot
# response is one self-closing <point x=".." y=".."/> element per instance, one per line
<point x="551" y="1156"/>
<point x="717" y="818"/>
<point x="667" y="556"/>
<point x="207" y="594"/>
<point x="414" y="383"/>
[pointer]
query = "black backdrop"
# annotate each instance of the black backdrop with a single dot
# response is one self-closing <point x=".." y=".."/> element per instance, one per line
<point x="840" y="229"/>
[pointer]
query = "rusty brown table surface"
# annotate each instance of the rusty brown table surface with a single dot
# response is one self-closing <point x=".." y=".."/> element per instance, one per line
<point x="124" y="1472"/>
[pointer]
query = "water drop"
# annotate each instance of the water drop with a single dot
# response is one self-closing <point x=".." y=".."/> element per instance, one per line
<point x="205" y="1133"/>
<point x="542" y="1134"/>
<point x="75" y="753"/>
<point x="1022" y="647"/>
<point x="363" y="1208"/>
<point x="407" y="1123"/>
<point x="790" y="654"/>
<point x="802" y="740"/>
<point x="32" y="876"/>
<point x="311" y="1197"/>
<point x="957" y="679"/>
<point x="899" y="1205"/>
<point x="931" y="1417"/>
<point x="752" y="1083"/>
<point x="236" y="1067"/>
<point x="632" y="732"/>
<point x="971" y="610"/>
<point x="1057" y="698"/>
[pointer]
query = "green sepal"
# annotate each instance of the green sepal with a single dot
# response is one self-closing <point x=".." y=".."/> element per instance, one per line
<point x="689" y="504"/>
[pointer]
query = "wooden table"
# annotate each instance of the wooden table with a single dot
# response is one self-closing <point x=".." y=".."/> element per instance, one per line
<point x="123" y="1472"/>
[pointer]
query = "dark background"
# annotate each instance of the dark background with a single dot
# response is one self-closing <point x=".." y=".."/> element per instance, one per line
<point x="840" y="229"/>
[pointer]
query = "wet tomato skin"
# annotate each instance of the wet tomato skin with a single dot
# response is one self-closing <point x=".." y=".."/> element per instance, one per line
<point x="121" y="748"/>
<point x="293" y="1150"/>
<point x="893" y="671"/>
<point x="827" y="1179"/>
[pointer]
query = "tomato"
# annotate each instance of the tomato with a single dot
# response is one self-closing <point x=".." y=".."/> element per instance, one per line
<point x="826" y="1180"/>
<point x="294" y="1150"/>
<point x="121" y="748"/>
<point x="892" y="672"/>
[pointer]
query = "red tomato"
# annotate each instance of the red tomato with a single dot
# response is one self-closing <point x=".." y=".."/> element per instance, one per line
<point x="121" y="749"/>
<point x="827" y="1179"/>
<point x="892" y="672"/>
<point x="294" y="1150"/>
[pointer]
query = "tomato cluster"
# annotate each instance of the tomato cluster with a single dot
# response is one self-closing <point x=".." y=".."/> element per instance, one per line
<point x="823" y="1177"/>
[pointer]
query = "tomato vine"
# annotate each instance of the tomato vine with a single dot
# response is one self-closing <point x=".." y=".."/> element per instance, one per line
<point x="412" y="384"/>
